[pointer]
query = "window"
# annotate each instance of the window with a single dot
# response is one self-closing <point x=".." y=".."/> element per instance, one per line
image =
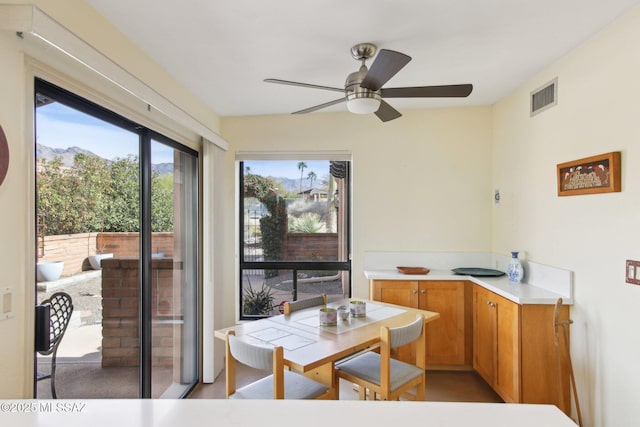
<point x="294" y="231"/>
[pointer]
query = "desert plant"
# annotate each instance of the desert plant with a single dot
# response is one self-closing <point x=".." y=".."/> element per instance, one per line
<point x="307" y="223"/>
<point x="257" y="303"/>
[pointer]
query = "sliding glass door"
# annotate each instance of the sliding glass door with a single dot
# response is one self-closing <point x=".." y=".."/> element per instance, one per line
<point x="174" y="263"/>
<point x="117" y="205"/>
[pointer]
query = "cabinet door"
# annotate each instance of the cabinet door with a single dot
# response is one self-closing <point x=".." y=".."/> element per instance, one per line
<point x="445" y="336"/>
<point x="507" y="375"/>
<point x="484" y="333"/>
<point x="400" y="292"/>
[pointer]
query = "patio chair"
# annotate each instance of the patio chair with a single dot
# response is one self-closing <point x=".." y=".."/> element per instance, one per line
<point x="281" y="384"/>
<point x="380" y="373"/>
<point x="61" y="310"/>
<point x="291" y="306"/>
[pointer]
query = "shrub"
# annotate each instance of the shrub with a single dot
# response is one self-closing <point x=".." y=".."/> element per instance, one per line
<point x="307" y="223"/>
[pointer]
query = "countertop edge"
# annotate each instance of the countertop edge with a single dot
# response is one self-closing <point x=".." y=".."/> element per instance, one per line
<point x="520" y="293"/>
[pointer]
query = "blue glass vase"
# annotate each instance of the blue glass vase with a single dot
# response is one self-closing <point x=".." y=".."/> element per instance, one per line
<point x="515" y="270"/>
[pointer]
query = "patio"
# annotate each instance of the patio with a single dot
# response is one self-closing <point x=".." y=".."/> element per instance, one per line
<point x="80" y="371"/>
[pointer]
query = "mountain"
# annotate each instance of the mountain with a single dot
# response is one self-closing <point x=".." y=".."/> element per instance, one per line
<point x="293" y="184"/>
<point x="288" y="183"/>
<point x="68" y="154"/>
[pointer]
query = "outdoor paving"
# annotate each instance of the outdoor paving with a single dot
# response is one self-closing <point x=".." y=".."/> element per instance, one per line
<point x="85" y="291"/>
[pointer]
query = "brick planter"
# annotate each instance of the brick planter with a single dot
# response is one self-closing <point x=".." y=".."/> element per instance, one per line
<point x="120" y="302"/>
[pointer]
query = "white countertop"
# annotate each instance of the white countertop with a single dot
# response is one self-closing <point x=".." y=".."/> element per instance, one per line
<point x="280" y="413"/>
<point x="520" y="293"/>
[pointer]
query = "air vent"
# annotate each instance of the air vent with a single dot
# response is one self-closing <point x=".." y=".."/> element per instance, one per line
<point x="544" y="97"/>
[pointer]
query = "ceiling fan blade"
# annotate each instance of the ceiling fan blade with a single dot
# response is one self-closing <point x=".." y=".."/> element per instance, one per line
<point x="318" y="107"/>
<point x="287" y="82"/>
<point x="447" y="91"/>
<point x="385" y="66"/>
<point x="386" y="112"/>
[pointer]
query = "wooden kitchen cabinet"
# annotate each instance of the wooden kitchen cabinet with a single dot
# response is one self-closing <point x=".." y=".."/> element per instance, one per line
<point x="514" y="350"/>
<point x="448" y="338"/>
<point x="496" y="342"/>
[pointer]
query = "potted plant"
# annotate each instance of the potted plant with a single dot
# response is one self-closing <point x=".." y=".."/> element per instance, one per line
<point x="95" y="260"/>
<point x="258" y="303"/>
<point x="49" y="270"/>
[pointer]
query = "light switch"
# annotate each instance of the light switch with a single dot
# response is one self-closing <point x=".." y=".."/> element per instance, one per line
<point x="6" y="303"/>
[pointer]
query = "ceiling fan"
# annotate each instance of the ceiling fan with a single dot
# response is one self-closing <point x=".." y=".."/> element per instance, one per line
<point x="363" y="89"/>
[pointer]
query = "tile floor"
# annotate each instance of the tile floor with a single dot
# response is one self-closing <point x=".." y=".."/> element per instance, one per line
<point x="442" y="386"/>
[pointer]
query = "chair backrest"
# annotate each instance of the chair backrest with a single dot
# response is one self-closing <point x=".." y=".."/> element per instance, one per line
<point x="405" y="334"/>
<point x="256" y="356"/>
<point x="61" y="310"/>
<point x="291" y="306"/>
<point x="391" y="338"/>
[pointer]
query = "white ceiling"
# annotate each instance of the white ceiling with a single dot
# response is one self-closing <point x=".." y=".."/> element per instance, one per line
<point x="223" y="49"/>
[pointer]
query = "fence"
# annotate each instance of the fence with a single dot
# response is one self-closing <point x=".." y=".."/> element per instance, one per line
<point x="74" y="249"/>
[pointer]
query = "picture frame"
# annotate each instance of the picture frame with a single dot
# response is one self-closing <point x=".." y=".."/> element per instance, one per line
<point x="591" y="175"/>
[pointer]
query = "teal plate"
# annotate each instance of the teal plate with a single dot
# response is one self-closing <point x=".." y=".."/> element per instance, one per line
<point x="487" y="272"/>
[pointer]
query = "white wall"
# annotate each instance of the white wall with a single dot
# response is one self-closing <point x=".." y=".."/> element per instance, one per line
<point x="420" y="183"/>
<point x="14" y="224"/>
<point x="592" y="235"/>
<point x="21" y="59"/>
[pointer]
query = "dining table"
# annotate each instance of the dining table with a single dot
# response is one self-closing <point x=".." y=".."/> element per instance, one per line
<point x="313" y="348"/>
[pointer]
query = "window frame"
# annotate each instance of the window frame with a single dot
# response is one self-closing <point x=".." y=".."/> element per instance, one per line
<point x="294" y="266"/>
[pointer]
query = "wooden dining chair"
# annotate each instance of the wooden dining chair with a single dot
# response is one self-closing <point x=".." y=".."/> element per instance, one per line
<point x="291" y="306"/>
<point x="280" y="384"/>
<point x="384" y="376"/>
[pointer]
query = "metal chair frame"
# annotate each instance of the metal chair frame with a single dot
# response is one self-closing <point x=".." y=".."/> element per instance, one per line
<point x="61" y="310"/>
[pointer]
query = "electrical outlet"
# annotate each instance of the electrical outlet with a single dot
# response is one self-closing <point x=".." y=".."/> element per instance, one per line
<point x="632" y="272"/>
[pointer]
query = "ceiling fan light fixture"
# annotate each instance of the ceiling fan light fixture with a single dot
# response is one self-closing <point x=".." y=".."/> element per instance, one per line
<point x="363" y="104"/>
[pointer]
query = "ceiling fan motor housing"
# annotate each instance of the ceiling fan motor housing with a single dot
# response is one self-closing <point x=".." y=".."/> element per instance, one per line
<point x="353" y="88"/>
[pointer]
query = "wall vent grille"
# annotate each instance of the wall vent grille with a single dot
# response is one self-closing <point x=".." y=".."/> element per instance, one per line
<point x="544" y="98"/>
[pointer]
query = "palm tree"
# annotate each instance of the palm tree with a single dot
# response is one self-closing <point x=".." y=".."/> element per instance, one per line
<point x="302" y="166"/>
<point x="311" y="176"/>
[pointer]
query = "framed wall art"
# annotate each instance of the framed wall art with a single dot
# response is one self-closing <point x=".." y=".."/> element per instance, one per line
<point x="596" y="174"/>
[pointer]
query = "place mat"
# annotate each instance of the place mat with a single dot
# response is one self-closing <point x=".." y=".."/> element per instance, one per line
<point x="375" y="313"/>
<point x="279" y="337"/>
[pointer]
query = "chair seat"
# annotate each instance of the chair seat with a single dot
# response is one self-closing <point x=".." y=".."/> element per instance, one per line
<point x="367" y="367"/>
<point x="296" y="386"/>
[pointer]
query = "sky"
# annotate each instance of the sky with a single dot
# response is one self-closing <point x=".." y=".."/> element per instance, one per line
<point x="287" y="168"/>
<point x="58" y="126"/>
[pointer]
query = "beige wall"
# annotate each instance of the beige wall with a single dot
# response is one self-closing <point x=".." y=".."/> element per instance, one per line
<point x="431" y="171"/>
<point x="21" y="59"/>
<point x="420" y="183"/>
<point x="598" y="112"/>
<point x="14" y="225"/>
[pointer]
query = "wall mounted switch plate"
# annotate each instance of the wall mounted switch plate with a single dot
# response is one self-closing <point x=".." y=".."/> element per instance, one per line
<point x="6" y="303"/>
<point x="632" y="272"/>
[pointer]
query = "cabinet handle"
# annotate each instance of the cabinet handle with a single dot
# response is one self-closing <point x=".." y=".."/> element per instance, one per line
<point x="414" y="292"/>
<point x="491" y="304"/>
<point x="423" y="291"/>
